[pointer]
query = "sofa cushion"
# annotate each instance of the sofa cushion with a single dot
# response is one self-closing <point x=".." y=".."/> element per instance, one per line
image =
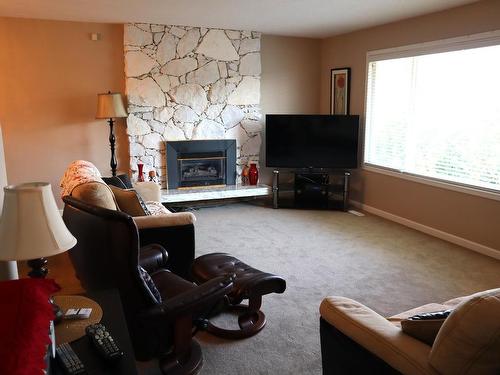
<point x="469" y="340"/>
<point x="129" y="201"/>
<point x="95" y="193"/>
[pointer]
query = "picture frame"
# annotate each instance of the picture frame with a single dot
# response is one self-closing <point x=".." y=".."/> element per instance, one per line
<point x="340" y="88"/>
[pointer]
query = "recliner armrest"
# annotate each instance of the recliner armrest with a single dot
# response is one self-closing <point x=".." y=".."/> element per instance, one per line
<point x="199" y="298"/>
<point x="159" y="221"/>
<point x="152" y="257"/>
<point x="377" y="334"/>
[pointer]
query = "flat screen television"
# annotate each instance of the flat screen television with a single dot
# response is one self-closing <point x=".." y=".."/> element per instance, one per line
<point x="312" y="141"/>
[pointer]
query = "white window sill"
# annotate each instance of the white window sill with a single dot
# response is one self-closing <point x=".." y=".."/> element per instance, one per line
<point x="437" y="183"/>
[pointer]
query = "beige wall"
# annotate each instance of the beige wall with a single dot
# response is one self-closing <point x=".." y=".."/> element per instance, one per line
<point x="48" y="96"/>
<point x="464" y="215"/>
<point x="290" y="80"/>
<point x="50" y="73"/>
<point x="290" y="74"/>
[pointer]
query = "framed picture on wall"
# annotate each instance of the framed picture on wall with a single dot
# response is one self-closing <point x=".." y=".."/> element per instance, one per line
<point x="340" y="86"/>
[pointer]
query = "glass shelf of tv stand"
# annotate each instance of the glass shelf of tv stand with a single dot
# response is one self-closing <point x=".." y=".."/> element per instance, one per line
<point x="336" y="188"/>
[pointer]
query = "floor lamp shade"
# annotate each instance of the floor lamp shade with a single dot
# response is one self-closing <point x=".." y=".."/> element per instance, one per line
<point x="110" y="106"/>
<point x="31" y="226"/>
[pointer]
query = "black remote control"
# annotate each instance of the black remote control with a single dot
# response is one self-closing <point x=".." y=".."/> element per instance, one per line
<point x="103" y="342"/>
<point x="69" y="361"/>
<point x="431" y="315"/>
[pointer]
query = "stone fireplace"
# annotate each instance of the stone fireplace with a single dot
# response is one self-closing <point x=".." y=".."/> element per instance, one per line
<point x="191" y="83"/>
<point x="201" y="163"/>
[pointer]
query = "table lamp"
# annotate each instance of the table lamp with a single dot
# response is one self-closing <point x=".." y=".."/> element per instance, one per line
<point x="111" y="106"/>
<point x="31" y="227"/>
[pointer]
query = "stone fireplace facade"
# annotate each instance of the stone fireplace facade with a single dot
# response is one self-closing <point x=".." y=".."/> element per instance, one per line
<point x="191" y="83"/>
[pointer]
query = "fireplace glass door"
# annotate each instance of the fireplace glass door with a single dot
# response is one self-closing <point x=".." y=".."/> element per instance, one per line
<point x="201" y="170"/>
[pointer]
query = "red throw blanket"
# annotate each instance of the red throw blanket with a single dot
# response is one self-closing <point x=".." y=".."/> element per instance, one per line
<point x="25" y="315"/>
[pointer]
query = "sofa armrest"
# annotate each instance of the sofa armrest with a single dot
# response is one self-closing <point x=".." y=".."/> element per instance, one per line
<point x="148" y="190"/>
<point x="153" y="257"/>
<point x="160" y="221"/>
<point x="377" y="335"/>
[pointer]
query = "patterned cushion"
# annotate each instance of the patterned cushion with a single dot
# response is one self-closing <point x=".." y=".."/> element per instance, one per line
<point x="156" y="208"/>
<point x="153" y="290"/>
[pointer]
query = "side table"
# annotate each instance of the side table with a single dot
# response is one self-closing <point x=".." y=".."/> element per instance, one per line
<point x="114" y="320"/>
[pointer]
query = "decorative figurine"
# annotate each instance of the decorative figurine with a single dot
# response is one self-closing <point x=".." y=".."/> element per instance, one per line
<point x="152" y="176"/>
<point x="244" y="175"/>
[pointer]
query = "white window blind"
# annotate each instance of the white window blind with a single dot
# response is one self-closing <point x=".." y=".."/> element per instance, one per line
<point x="437" y="115"/>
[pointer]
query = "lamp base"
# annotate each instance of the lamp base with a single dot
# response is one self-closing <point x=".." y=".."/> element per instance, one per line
<point x="38" y="268"/>
<point x="38" y="271"/>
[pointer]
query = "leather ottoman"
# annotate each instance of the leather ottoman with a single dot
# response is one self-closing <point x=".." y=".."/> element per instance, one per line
<point x="249" y="283"/>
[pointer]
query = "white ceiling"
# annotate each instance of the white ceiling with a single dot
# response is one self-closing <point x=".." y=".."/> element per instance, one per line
<point x="307" y="18"/>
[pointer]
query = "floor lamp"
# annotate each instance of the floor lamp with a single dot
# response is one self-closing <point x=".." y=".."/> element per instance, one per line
<point x="110" y="106"/>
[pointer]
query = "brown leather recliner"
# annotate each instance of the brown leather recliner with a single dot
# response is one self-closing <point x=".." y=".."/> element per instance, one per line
<point x="108" y="255"/>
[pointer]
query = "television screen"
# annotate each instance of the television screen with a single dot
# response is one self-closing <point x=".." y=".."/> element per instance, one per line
<point x="312" y="141"/>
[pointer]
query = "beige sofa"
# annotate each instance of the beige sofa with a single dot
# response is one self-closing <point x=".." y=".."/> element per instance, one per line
<point x="355" y="339"/>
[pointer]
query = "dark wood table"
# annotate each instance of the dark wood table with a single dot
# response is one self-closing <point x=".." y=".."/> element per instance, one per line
<point x="114" y="320"/>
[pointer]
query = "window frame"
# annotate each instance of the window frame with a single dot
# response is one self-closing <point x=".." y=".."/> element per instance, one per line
<point x="485" y="39"/>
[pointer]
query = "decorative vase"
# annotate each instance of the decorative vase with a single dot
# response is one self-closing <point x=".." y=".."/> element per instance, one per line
<point x="253" y="174"/>
<point x="244" y="175"/>
<point x="140" y="173"/>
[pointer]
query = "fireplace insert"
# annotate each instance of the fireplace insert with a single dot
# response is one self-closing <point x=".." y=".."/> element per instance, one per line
<point x="201" y="163"/>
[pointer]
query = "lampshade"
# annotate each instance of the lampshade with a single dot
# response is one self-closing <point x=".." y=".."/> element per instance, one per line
<point x="110" y="105"/>
<point x="31" y="226"/>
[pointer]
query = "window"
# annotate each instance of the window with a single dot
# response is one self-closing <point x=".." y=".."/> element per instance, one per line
<point x="433" y="111"/>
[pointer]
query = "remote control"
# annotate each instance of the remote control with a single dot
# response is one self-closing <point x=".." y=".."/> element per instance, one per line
<point x="431" y="315"/>
<point x="69" y="361"/>
<point x="103" y="342"/>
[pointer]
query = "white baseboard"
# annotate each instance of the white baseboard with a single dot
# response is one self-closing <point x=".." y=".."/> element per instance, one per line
<point x="477" y="247"/>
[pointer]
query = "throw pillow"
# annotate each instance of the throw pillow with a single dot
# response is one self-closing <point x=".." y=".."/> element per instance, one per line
<point x="130" y="202"/>
<point x="424" y="327"/>
<point x="153" y="290"/>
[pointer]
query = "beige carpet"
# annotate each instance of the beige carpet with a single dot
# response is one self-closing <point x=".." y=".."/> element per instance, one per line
<point x="384" y="265"/>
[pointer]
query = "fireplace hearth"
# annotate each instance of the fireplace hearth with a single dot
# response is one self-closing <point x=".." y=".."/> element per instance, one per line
<point x="201" y="163"/>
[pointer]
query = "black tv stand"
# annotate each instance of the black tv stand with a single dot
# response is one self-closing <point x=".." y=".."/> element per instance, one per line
<point x="319" y="190"/>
